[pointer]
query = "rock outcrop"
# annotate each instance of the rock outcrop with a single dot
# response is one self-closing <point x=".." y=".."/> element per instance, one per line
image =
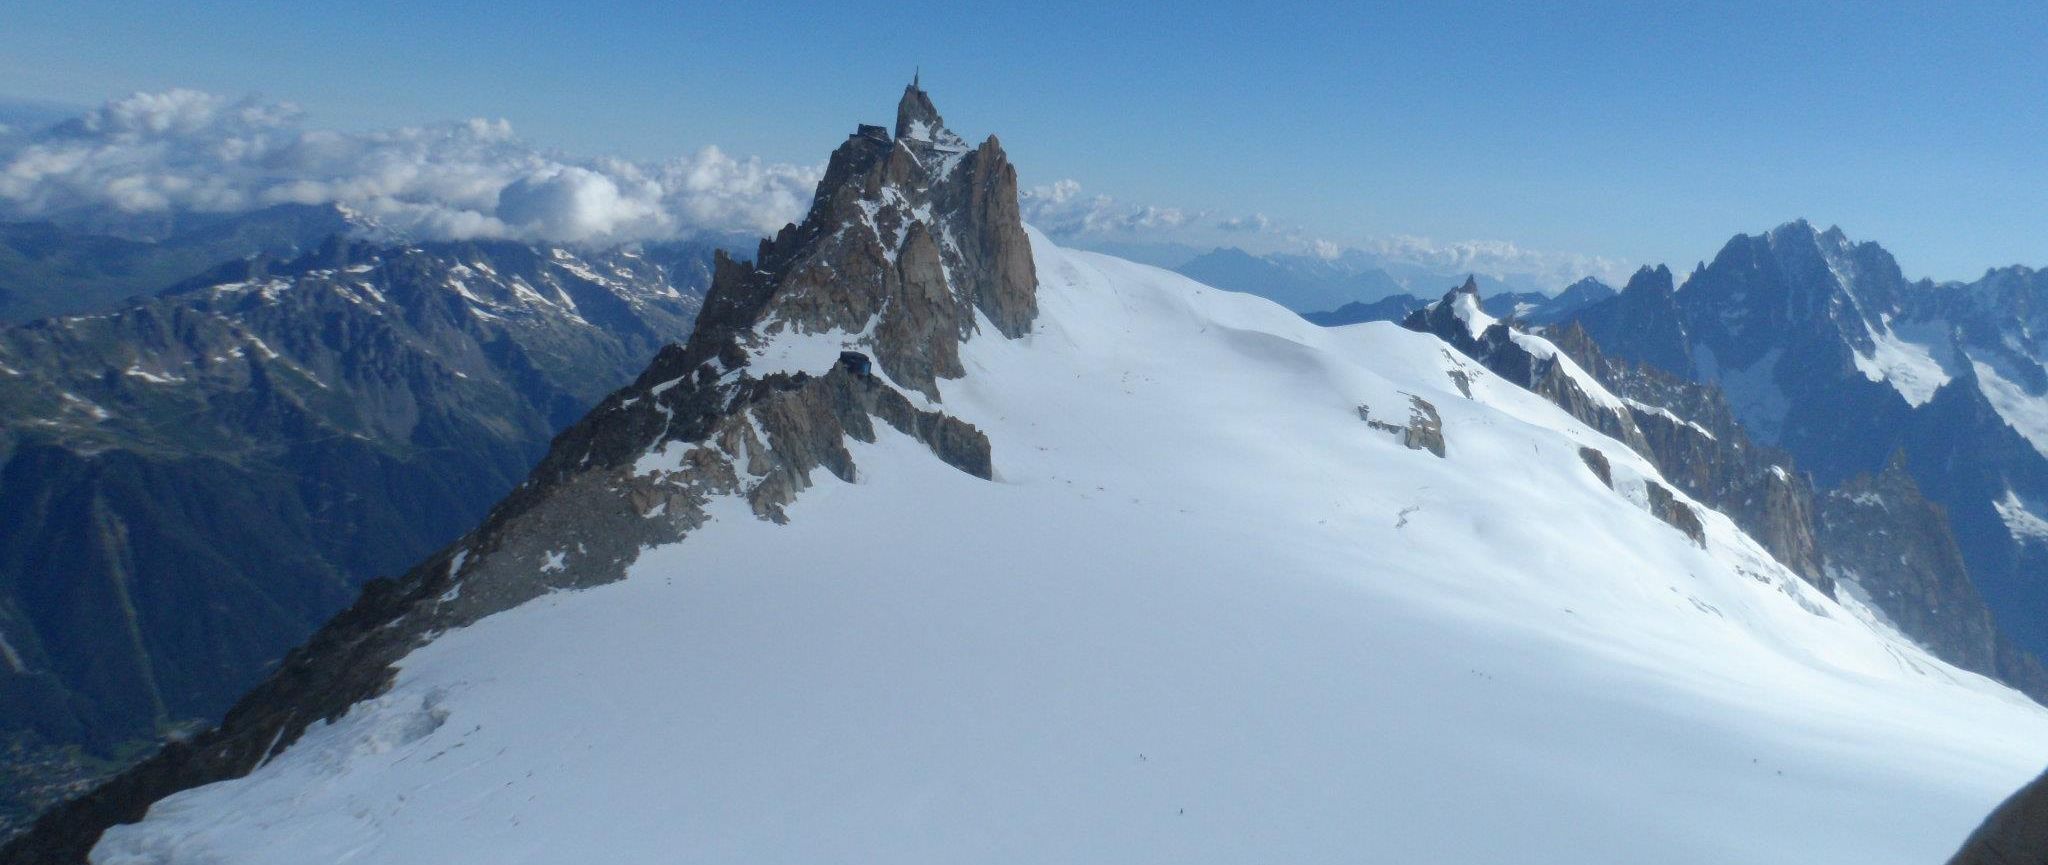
<point x="1658" y="499"/>
<point x="1677" y="514"/>
<point x="1597" y="463"/>
<point x="911" y="244"/>
<point x="1423" y="431"/>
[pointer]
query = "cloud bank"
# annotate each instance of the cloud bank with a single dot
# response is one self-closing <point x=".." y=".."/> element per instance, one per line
<point x="188" y="151"/>
<point x="1063" y="210"/>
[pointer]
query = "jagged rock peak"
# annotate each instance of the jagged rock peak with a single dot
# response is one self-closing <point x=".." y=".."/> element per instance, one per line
<point x="1458" y="318"/>
<point x="1590" y="288"/>
<point x="1798" y="230"/>
<point x="1653" y="279"/>
<point x="907" y="240"/>
<point x="917" y="119"/>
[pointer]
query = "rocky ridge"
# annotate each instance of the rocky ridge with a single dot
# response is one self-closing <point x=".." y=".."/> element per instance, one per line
<point x="913" y="244"/>
<point x="1535" y="364"/>
<point x="1459" y="320"/>
<point x="1695" y="442"/>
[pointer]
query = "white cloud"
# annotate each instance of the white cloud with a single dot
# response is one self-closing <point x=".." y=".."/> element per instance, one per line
<point x="184" y="150"/>
<point x="713" y="189"/>
<point x="577" y="204"/>
<point x="1061" y="210"/>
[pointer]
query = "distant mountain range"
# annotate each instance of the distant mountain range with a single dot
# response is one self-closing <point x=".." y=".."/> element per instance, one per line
<point x="1825" y="350"/>
<point x="1819" y="346"/>
<point x="51" y="268"/>
<point x="195" y="480"/>
<point x="1310" y="283"/>
<point x="1872" y="540"/>
<point x="1525" y="307"/>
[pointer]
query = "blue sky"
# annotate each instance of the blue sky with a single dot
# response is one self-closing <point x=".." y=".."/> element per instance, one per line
<point x="1638" y="132"/>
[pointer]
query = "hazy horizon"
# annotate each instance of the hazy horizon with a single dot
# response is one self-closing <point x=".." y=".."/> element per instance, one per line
<point x="1593" y="142"/>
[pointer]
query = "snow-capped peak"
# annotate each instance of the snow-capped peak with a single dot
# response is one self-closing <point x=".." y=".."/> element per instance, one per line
<point x="917" y="119"/>
<point x="1464" y="303"/>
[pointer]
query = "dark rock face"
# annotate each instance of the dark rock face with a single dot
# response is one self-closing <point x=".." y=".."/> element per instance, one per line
<point x="1573" y="298"/>
<point x="2014" y="834"/>
<point x="195" y="482"/>
<point x="917" y="118"/>
<point x="1597" y="463"/>
<point x="639" y="469"/>
<point x="1642" y="323"/>
<point x="998" y="255"/>
<point x="1968" y="459"/>
<point x="1678" y="514"/>
<point x="1893" y="544"/>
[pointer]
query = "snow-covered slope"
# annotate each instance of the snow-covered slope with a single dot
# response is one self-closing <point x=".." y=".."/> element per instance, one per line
<point x="1204" y="613"/>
